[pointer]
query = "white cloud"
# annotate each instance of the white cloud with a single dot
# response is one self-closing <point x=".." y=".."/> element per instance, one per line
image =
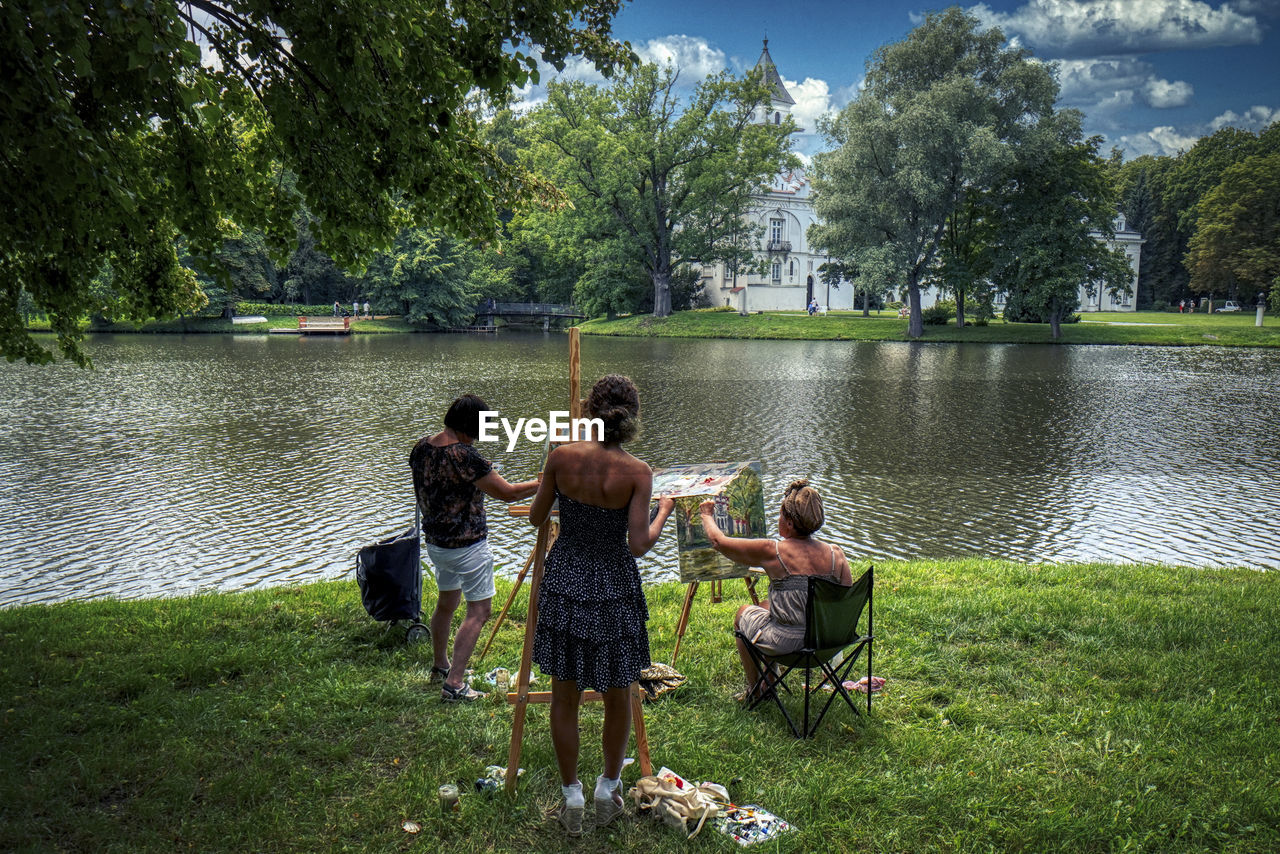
<point x="1115" y="27"/>
<point x="1162" y="94"/>
<point x="1166" y="140"/>
<point x="694" y="57"/>
<point x="1255" y="7"/>
<point x="1255" y="118"/>
<point x="1109" y="83"/>
<point x="1121" y="99"/>
<point x="1160" y="141"/>
<point x="813" y="99"/>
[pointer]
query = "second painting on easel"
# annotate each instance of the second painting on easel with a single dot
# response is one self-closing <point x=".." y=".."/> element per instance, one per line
<point x="739" y="497"/>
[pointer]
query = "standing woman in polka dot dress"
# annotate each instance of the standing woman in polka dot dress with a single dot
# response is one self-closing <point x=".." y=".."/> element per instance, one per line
<point x="591" y="611"/>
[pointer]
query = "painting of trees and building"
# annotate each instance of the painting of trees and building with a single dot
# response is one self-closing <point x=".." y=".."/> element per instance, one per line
<point x="738" y="494"/>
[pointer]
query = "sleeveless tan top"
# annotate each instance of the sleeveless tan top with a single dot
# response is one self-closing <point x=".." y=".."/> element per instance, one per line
<point x="787" y="595"/>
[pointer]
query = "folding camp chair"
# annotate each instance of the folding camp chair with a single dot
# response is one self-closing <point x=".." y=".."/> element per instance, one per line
<point x="832" y="612"/>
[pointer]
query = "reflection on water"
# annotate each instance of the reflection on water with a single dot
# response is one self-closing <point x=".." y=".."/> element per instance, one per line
<point x="222" y="462"/>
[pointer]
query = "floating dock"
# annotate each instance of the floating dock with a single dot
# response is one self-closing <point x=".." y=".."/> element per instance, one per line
<point x="320" y="326"/>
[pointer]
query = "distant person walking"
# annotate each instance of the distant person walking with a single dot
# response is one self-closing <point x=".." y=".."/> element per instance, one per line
<point x="366" y="309"/>
<point x="355" y="308"/>
<point x="1182" y="306"/>
<point x="337" y="309"/>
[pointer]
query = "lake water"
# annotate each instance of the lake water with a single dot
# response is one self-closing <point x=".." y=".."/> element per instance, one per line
<point x="187" y="463"/>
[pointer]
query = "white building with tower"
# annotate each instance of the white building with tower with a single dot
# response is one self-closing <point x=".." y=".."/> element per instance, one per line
<point x="784" y="212"/>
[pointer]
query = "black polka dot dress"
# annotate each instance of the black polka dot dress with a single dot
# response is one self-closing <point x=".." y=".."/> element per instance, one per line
<point x="591" y="610"/>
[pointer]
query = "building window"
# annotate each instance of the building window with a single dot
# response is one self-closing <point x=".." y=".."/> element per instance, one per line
<point x="777" y="118"/>
<point x="775" y="231"/>
<point x="777" y="271"/>
<point x="792" y="271"/>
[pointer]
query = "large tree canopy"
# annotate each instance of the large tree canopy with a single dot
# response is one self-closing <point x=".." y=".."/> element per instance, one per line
<point x="940" y="115"/>
<point x="118" y="132"/>
<point x="1055" y="198"/>
<point x="1236" y="245"/>
<point x="1162" y="199"/>
<point x="659" y="178"/>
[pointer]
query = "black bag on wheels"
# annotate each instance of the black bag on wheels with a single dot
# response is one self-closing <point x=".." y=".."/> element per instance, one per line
<point x="389" y="574"/>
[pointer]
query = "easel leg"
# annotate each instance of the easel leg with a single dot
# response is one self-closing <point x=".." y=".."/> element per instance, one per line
<point x="526" y="662"/>
<point x="502" y="615"/>
<point x="642" y="739"/>
<point x="751" y="588"/>
<point x="683" y="623"/>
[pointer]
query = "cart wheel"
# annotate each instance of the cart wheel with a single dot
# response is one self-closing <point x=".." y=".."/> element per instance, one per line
<point x="417" y="633"/>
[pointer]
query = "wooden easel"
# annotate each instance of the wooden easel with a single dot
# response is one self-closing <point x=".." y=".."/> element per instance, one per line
<point x="515" y="588"/>
<point x="717" y="595"/>
<point x="522" y="697"/>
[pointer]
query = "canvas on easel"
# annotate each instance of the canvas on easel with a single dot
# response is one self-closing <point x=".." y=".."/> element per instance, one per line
<point x="738" y="493"/>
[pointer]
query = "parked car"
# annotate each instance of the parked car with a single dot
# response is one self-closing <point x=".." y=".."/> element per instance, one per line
<point x="1229" y="305"/>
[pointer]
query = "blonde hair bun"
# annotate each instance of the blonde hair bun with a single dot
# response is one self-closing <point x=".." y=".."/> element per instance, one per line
<point x="802" y="505"/>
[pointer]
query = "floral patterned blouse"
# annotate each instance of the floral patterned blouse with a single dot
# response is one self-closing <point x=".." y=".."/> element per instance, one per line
<point x="444" y="484"/>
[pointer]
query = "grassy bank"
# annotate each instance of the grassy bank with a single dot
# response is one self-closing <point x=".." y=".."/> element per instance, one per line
<point x="1151" y="328"/>
<point x="1086" y="708"/>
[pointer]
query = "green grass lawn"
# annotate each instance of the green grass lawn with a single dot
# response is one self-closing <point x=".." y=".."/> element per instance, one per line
<point x="1028" y="708"/>
<point x="1153" y="328"/>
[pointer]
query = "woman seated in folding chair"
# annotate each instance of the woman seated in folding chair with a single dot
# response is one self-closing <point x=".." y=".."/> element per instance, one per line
<point x="776" y="626"/>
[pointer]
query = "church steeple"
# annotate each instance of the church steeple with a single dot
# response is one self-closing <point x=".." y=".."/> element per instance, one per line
<point x="765" y="65"/>
<point x="780" y="100"/>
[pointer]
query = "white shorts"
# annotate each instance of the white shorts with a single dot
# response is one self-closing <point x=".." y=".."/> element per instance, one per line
<point x="469" y="569"/>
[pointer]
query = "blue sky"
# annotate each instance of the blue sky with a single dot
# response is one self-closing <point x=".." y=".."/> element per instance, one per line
<point x="1151" y="76"/>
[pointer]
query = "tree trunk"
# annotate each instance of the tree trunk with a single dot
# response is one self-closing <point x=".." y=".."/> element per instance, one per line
<point x="915" y="328"/>
<point x="662" y="294"/>
<point x="1055" y="324"/>
<point x="866" y="302"/>
<point x="960" y="309"/>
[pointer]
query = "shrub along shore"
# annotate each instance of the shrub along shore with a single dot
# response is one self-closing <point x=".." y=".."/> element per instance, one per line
<point x="1028" y="708"/>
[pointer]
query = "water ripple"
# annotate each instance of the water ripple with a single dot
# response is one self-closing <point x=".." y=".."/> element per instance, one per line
<point x="210" y="463"/>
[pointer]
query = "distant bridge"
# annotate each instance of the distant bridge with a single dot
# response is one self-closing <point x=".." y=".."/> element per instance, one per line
<point x="544" y="310"/>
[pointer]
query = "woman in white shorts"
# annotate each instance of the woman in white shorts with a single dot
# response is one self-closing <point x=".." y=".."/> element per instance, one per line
<point x="450" y="480"/>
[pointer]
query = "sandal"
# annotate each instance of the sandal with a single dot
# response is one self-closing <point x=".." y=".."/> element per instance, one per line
<point x="464" y="693"/>
<point x="570" y="818"/>
<point x="440" y="673"/>
<point x="873" y="685"/>
<point x="610" y="808"/>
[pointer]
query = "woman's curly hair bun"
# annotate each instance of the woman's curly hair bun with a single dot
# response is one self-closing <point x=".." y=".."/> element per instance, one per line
<point x="615" y="401"/>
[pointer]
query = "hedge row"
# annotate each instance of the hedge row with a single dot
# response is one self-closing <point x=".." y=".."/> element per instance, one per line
<point x="288" y="309"/>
